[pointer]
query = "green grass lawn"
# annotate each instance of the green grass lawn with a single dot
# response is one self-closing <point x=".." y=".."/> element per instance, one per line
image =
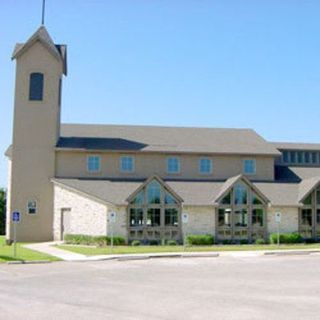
<point x="6" y="253"/>
<point x="90" y="251"/>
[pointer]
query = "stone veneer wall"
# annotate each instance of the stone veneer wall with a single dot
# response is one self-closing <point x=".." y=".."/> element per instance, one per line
<point x="86" y="215"/>
<point x="289" y="219"/>
<point x="201" y="220"/>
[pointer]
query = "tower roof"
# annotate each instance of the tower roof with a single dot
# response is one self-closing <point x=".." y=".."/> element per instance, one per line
<point x="57" y="50"/>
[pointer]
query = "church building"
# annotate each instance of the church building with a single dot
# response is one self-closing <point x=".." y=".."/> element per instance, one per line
<point x="146" y="182"/>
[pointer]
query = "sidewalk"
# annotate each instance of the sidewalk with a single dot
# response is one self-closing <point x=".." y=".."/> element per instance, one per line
<point x="50" y="249"/>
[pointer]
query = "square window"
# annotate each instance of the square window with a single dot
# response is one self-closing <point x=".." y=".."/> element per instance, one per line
<point x="249" y="166"/>
<point x="173" y="165"/>
<point x="205" y="166"/>
<point x="93" y="164"/>
<point x="127" y="164"/>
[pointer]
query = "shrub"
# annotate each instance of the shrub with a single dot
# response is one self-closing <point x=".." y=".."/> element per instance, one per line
<point x="171" y="243"/>
<point x="286" y="238"/>
<point x="260" y="241"/>
<point x="135" y="243"/>
<point x="200" y="239"/>
<point x="153" y="242"/>
<point x="226" y="241"/>
<point x="100" y="241"/>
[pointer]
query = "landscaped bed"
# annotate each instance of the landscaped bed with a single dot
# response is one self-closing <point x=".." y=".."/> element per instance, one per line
<point x="23" y="254"/>
<point x="90" y="251"/>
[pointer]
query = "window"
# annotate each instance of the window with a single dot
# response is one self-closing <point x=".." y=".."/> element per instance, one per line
<point x="255" y="199"/>
<point x="154" y="192"/>
<point x="93" y="164"/>
<point x="153" y="217"/>
<point x="136" y="217"/>
<point x="285" y="156"/>
<point x="249" y="166"/>
<point x="127" y="164"/>
<point x="173" y="165"/>
<point x="36" y="87"/>
<point x="257" y="217"/>
<point x="205" y="166"/>
<point x="171" y="217"/>
<point x="224" y="217"/>
<point x="226" y="199"/>
<point x="308" y="200"/>
<point x="139" y="199"/>
<point x="300" y="157"/>
<point x="241" y="218"/>
<point x="32" y="207"/>
<point x="306" y="217"/>
<point x="293" y="156"/>
<point x="240" y="194"/>
<point x="314" y="157"/>
<point x="307" y="156"/>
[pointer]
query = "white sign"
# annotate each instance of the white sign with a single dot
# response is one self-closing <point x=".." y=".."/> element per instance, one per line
<point x="185" y="218"/>
<point x="278" y="217"/>
<point x="112" y="217"/>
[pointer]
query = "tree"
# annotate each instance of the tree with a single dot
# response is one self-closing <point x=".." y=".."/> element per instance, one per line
<point x="2" y="211"/>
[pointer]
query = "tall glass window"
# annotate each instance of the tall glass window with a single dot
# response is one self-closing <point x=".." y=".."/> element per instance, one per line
<point x="36" y="86"/>
<point x="154" y="213"/>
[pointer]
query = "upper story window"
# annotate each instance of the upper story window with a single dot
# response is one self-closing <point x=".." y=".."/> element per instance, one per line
<point x="205" y="166"/>
<point x="249" y="166"/>
<point x="173" y="165"/>
<point x="93" y="163"/>
<point x="32" y="207"/>
<point x="36" y="86"/>
<point x="300" y="157"/>
<point x="126" y="164"/>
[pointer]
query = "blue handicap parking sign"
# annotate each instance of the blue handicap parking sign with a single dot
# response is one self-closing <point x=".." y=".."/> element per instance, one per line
<point x="16" y="216"/>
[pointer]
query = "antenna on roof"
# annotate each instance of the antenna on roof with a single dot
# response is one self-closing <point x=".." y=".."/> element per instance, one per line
<point x="43" y="11"/>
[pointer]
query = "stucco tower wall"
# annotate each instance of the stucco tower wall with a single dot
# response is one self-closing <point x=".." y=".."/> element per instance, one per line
<point x="35" y="133"/>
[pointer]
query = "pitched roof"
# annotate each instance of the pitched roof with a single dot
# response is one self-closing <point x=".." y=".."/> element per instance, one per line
<point x="164" y="139"/>
<point x="306" y="186"/>
<point x="195" y="193"/>
<point x="296" y="146"/>
<point x="295" y="174"/>
<point x="58" y="51"/>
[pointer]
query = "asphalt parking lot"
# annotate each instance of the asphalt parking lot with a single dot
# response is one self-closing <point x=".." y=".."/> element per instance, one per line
<point x="267" y="287"/>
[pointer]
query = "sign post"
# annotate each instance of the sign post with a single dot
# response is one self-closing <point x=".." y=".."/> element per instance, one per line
<point x="112" y="220"/>
<point x="15" y="220"/>
<point x="278" y="221"/>
<point x="185" y="220"/>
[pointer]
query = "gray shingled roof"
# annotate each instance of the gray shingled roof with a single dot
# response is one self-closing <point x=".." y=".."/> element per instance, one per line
<point x="197" y="193"/>
<point x="164" y="139"/>
<point x="59" y="51"/>
<point x="296" y="146"/>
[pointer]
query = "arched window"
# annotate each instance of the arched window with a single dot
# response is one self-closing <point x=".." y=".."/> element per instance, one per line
<point x="154" y="213"/>
<point x="36" y="86"/>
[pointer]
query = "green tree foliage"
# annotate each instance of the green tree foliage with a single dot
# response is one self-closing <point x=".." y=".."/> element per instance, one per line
<point x="2" y="211"/>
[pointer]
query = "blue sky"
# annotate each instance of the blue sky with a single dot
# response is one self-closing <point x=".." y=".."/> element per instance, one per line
<point x="223" y="63"/>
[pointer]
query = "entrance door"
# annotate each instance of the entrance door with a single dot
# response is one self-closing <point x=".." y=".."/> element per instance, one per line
<point x="65" y="222"/>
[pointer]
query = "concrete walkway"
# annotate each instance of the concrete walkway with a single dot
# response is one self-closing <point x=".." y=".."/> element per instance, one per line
<point x="51" y="249"/>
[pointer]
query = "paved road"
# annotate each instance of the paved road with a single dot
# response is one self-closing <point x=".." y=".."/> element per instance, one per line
<point x="269" y="287"/>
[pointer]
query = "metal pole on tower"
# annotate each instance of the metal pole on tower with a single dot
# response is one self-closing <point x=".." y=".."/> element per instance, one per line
<point x="43" y="11"/>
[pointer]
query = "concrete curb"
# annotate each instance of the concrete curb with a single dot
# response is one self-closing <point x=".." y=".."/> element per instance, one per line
<point x="29" y="262"/>
<point x="291" y="253"/>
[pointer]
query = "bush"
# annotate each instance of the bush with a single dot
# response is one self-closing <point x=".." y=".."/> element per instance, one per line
<point x="260" y="241"/>
<point x="226" y="241"/>
<point x="171" y="243"/>
<point x="2" y="212"/>
<point x="100" y="241"/>
<point x="286" y="238"/>
<point x="135" y="243"/>
<point x="153" y="242"/>
<point x="200" y="239"/>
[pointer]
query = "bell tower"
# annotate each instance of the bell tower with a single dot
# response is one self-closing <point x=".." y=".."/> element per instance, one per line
<point x="40" y="66"/>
